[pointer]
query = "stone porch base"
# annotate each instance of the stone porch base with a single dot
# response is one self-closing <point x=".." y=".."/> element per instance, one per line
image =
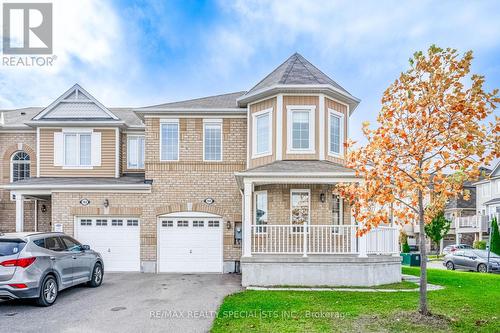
<point x="332" y="270"/>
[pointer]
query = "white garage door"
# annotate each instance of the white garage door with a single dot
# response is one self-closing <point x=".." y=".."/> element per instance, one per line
<point x="115" y="238"/>
<point x="190" y="244"/>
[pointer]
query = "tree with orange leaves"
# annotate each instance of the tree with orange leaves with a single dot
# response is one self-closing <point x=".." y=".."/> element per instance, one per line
<point x="432" y="135"/>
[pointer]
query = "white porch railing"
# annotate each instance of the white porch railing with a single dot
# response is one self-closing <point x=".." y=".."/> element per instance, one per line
<point x="321" y="239"/>
<point x="478" y="222"/>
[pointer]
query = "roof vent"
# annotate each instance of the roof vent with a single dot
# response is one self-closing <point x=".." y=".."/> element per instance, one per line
<point x="23" y="113"/>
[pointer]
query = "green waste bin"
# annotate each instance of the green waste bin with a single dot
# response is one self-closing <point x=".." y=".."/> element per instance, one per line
<point x="410" y="259"/>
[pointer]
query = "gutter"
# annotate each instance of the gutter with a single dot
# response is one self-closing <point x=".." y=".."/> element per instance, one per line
<point x="78" y="187"/>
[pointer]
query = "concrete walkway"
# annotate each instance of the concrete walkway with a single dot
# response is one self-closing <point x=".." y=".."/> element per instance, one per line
<point x="409" y="278"/>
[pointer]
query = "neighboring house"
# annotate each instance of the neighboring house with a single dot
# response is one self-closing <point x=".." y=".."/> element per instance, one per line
<point x="468" y="222"/>
<point x="212" y="184"/>
<point x="488" y="193"/>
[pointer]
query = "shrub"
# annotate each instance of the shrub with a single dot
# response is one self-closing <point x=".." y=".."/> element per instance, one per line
<point x="406" y="247"/>
<point x="480" y="245"/>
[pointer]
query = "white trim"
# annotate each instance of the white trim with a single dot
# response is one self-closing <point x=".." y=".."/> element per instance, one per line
<point x="76" y="187"/>
<point x="249" y="120"/>
<point x="38" y="151"/>
<point x="301" y="190"/>
<point x="321" y="133"/>
<point x="117" y="153"/>
<point x="311" y="109"/>
<point x="341" y="116"/>
<point x="279" y="127"/>
<point x="158" y="110"/>
<point x="21" y="162"/>
<point x="190" y="214"/>
<point x="61" y="98"/>
<point x="256" y="115"/>
<point x="135" y="135"/>
<point x="216" y="122"/>
<point x="170" y="121"/>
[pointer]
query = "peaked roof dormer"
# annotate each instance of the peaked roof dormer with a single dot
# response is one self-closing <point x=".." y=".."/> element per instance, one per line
<point x="297" y="74"/>
<point x="76" y="104"/>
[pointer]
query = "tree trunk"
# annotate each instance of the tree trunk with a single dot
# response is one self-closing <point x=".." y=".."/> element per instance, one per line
<point x="423" y="257"/>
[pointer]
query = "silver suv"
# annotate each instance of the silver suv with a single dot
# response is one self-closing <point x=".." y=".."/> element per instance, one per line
<point x="39" y="265"/>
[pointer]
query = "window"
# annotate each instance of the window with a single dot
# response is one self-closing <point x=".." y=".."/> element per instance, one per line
<point x="486" y="190"/>
<point x="71" y="244"/>
<point x="85" y="222"/>
<point x="262" y="133"/>
<point x="260" y="210"/>
<point x="101" y="222"/>
<point x="299" y="208"/>
<point x="135" y="152"/>
<point x="337" y="214"/>
<point x="212" y="141"/>
<point x="336" y="133"/>
<point x="300" y="132"/>
<point x="183" y="223"/>
<point x="133" y="223"/>
<point x="198" y="224"/>
<point x="116" y="222"/>
<point x="213" y="224"/>
<point x="39" y="242"/>
<point x="54" y="244"/>
<point x="20" y="166"/>
<point x="169" y="135"/>
<point x="77" y="149"/>
<point x="167" y="223"/>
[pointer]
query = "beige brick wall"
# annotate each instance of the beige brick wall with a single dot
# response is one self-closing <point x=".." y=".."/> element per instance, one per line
<point x="278" y="201"/>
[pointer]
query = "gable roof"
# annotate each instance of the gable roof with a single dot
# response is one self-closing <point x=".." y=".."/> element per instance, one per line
<point x="224" y="101"/>
<point x="295" y="70"/>
<point x="76" y="104"/>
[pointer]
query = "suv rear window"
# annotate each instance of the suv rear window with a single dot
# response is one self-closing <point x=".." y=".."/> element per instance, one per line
<point x="10" y="247"/>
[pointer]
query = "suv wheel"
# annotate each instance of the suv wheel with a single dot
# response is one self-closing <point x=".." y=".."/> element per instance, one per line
<point x="450" y="266"/>
<point x="481" y="268"/>
<point x="48" y="291"/>
<point x="97" y="275"/>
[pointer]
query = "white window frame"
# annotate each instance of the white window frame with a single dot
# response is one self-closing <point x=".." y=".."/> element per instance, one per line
<point x="486" y="190"/>
<point x="170" y="121"/>
<point x="260" y="229"/>
<point x="269" y="150"/>
<point x="18" y="161"/>
<point x="338" y="230"/>
<point x="136" y="136"/>
<point x="311" y="109"/>
<point x="212" y="122"/>
<point x="78" y="135"/>
<point x="308" y="191"/>
<point x="341" y="118"/>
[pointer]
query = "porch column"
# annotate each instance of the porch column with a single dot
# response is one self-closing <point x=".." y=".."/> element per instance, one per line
<point x="19" y="212"/>
<point x="247" y="218"/>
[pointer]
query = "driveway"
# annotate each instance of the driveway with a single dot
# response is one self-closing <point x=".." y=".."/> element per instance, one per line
<point x="127" y="302"/>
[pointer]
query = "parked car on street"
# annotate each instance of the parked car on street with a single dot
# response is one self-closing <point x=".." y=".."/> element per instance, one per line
<point x="452" y="248"/>
<point x="40" y="265"/>
<point x="472" y="260"/>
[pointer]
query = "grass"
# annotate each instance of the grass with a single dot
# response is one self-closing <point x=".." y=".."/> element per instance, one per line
<point x="470" y="302"/>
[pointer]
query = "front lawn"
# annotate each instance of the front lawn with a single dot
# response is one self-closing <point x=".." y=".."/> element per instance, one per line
<point x="470" y="302"/>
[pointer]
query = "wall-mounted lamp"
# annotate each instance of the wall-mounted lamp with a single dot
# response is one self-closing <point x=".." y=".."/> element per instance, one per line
<point x="106" y="203"/>
<point x="322" y="197"/>
<point x="228" y="225"/>
<point x="43" y="209"/>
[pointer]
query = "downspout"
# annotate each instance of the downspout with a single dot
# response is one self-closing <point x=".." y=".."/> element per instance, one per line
<point x="36" y="215"/>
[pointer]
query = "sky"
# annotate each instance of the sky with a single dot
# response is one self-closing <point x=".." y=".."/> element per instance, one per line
<point x="139" y="53"/>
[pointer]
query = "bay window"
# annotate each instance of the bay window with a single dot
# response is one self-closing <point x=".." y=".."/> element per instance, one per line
<point x="135" y="151"/>
<point x="262" y="133"/>
<point x="169" y="139"/>
<point x="336" y="133"/>
<point x="300" y="131"/>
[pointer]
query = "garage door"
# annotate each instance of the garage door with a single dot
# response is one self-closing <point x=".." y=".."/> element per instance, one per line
<point x="190" y="244"/>
<point x="115" y="238"/>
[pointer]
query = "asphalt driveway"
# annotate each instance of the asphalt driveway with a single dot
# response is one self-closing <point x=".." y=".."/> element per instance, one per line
<point x="127" y="302"/>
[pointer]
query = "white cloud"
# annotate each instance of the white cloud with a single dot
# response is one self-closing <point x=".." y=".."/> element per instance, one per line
<point x="91" y="49"/>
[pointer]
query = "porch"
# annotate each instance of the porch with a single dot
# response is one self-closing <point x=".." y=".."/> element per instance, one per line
<point x="298" y="231"/>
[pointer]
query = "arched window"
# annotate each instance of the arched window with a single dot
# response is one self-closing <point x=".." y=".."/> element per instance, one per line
<point x="20" y="166"/>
